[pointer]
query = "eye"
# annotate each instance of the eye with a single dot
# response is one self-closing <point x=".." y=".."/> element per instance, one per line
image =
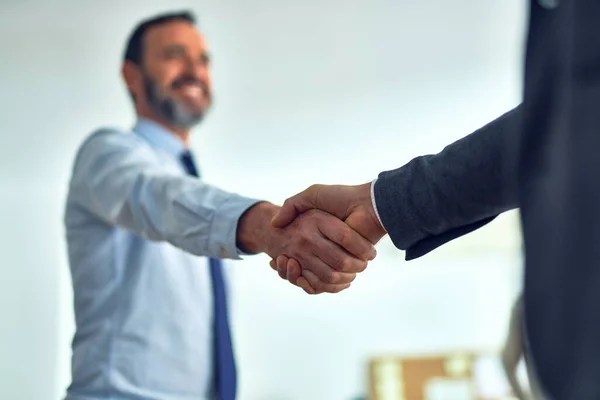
<point x="173" y="53"/>
<point x="205" y="59"/>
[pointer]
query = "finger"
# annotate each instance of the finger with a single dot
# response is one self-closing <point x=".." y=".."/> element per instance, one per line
<point x="320" y="287"/>
<point x="336" y="259"/>
<point x="294" y="271"/>
<point x="290" y="269"/>
<point x="325" y="255"/>
<point x="273" y="264"/>
<point x="293" y="206"/>
<point x="350" y="240"/>
<point x="294" y="274"/>
<point x="282" y="262"/>
<point x="303" y="283"/>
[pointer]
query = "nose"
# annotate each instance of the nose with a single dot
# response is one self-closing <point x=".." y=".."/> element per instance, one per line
<point x="196" y="67"/>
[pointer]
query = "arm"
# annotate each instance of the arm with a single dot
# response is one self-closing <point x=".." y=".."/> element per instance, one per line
<point x="120" y="181"/>
<point x="429" y="201"/>
<point x="436" y="198"/>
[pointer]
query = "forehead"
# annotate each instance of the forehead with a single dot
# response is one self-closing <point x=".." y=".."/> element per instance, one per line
<point x="180" y="33"/>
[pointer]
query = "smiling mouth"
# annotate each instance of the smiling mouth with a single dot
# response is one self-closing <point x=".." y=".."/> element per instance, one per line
<point x="191" y="90"/>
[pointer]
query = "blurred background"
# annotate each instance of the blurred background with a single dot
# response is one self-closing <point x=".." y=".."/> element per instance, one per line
<point x="327" y="91"/>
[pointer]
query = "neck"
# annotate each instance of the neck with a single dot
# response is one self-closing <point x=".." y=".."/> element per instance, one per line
<point x="182" y="134"/>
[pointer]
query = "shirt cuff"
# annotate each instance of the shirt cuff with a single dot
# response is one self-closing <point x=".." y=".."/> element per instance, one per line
<point x="241" y="252"/>
<point x="375" y="203"/>
<point x="223" y="237"/>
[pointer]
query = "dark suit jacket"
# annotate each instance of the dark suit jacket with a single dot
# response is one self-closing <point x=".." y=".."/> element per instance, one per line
<point x="436" y="198"/>
<point x="545" y="158"/>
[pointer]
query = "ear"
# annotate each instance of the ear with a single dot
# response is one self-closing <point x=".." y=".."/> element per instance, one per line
<point x="132" y="76"/>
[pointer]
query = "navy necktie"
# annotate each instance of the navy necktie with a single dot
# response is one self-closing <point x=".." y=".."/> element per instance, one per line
<point x="224" y="368"/>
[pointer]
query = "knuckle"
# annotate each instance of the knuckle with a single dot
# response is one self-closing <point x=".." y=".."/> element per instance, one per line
<point x="318" y="285"/>
<point x="344" y="236"/>
<point x="320" y="289"/>
<point x="313" y="187"/>
<point x="339" y="288"/>
<point x="361" y="266"/>
<point x="312" y="213"/>
<point x="343" y="264"/>
<point x="332" y="277"/>
<point x="282" y="273"/>
<point x="349" y="265"/>
<point x="304" y="240"/>
<point x="305" y="284"/>
<point x="310" y="278"/>
<point x="353" y="265"/>
<point x="287" y="203"/>
<point x="309" y="290"/>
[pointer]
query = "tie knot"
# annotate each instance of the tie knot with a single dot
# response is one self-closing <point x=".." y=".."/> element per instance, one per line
<point x="187" y="159"/>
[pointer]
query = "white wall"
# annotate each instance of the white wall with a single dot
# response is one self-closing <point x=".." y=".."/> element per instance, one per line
<point x="323" y="91"/>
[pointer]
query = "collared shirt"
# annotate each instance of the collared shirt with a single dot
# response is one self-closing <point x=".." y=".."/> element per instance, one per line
<point x="138" y="233"/>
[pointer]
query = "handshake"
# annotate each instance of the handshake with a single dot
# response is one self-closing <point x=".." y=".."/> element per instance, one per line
<point x="319" y="239"/>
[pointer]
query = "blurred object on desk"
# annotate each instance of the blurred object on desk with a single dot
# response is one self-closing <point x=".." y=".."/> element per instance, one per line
<point x="464" y="375"/>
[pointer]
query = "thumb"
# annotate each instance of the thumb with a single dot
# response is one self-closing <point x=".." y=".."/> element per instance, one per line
<point x="292" y="207"/>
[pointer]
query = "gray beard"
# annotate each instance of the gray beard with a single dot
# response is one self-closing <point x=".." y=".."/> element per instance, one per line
<point x="173" y="112"/>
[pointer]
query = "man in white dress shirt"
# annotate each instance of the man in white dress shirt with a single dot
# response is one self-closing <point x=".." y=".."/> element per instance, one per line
<point x="146" y="237"/>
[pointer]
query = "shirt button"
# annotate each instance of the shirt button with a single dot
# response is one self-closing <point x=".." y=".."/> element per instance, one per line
<point x="548" y="4"/>
<point x="224" y="252"/>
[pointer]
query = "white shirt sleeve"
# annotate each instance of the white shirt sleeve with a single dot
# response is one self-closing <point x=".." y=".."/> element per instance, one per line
<point x="119" y="179"/>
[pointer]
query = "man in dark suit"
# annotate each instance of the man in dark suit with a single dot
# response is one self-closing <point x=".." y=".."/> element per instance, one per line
<point x="427" y="202"/>
<point x="542" y="157"/>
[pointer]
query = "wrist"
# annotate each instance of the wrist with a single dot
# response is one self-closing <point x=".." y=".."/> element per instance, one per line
<point x="363" y="195"/>
<point x="365" y="201"/>
<point x="254" y="228"/>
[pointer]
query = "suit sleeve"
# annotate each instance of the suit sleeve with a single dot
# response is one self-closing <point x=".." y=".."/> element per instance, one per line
<point x="436" y="198"/>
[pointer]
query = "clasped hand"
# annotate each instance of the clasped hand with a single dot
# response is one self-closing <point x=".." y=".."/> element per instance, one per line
<point x="346" y="219"/>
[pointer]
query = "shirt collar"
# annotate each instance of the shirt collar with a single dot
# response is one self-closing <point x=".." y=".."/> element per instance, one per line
<point x="159" y="137"/>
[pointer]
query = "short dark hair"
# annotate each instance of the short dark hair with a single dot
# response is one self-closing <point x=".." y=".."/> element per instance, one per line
<point x="135" y="45"/>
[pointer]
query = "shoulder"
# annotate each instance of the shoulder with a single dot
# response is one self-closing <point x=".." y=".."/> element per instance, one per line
<point x="107" y="144"/>
<point x="110" y="139"/>
<point x="108" y="136"/>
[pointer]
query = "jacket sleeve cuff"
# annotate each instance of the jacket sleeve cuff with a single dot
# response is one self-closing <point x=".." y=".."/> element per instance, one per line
<point x="393" y="209"/>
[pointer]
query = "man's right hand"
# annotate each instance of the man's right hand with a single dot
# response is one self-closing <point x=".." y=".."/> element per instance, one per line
<point x="329" y="251"/>
<point x="351" y="204"/>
